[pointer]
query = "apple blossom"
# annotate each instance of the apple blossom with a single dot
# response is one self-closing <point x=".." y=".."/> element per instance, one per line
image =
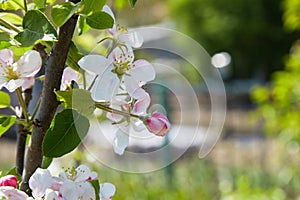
<point x="120" y="33"/>
<point x="158" y="124"/>
<point x="13" y="75"/>
<point x="9" y="180"/>
<point x="119" y="67"/>
<point x="107" y="190"/>
<point x="11" y="193"/>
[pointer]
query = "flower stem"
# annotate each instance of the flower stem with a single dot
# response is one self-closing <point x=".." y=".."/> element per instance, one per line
<point x="22" y="104"/>
<point x="9" y="25"/>
<point x="119" y="112"/>
<point x="25" y="6"/>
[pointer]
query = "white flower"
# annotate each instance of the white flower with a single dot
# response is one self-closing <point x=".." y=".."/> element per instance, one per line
<point x="121" y="139"/>
<point x="8" y="192"/>
<point x="107" y="190"/>
<point x="121" y="34"/>
<point x="13" y="75"/>
<point x="119" y="67"/>
<point x="40" y="181"/>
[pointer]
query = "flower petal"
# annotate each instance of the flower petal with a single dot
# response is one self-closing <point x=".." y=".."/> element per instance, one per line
<point x="121" y="140"/>
<point x="6" y="57"/>
<point x="84" y="173"/>
<point x="122" y="54"/>
<point x="133" y="88"/>
<point x="8" y="192"/>
<point x="105" y="86"/>
<point x="68" y="76"/>
<point x="107" y="190"/>
<point x="29" y="64"/>
<point x="131" y="38"/>
<point x="142" y="71"/>
<point x="28" y="83"/>
<point x="140" y="106"/>
<point x="94" y="63"/>
<point x="39" y="182"/>
<point x="12" y="85"/>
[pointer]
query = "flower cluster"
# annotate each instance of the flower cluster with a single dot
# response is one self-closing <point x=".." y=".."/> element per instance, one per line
<point x="21" y="73"/>
<point x="117" y="81"/>
<point x="70" y="184"/>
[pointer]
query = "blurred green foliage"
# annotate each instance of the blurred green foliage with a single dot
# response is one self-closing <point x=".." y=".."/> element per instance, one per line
<point x="250" y="30"/>
<point x="279" y="103"/>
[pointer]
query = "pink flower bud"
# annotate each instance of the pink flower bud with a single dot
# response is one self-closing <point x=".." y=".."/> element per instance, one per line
<point x="158" y="124"/>
<point x="9" y="180"/>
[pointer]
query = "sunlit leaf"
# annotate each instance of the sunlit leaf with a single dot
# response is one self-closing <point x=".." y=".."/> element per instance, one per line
<point x="4" y="100"/>
<point x="36" y="26"/>
<point x="100" y="20"/>
<point x="40" y="4"/>
<point x="67" y="130"/>
<point x="91" y="6"/>
<point x="82" y="25"/>
<point x="77" y="99"/>
<point x="11" y="4"/>
<point x="6" y="122"/>
<point x="12" y="18"/>
<point x="62" y="12"/>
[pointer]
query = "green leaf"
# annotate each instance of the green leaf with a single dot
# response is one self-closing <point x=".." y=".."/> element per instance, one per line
<point x="73" y="57"/>
<point x="4" y="37"/>
<point x="100" y="20"/>
<point x="65" y="133"/>
<point x="91" y="6"/>
<point x="77" y="99"/>
<point x="46" y="162"/>
<point x="11" y="4"/>
<point x="132" y="3"/>
<point x="96" y="186"/>
<point x="40" y="4"/>
<point x="11" y="17"/>
<point x="6" y="122"/>
<point x="82" y="25"/>
<point x="36" y="27"/>
<point x="62" y="12"/>
<point x="4" y="100"/>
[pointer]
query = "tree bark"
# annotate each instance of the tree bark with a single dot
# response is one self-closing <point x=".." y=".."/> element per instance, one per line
<point x="53" y="73"/>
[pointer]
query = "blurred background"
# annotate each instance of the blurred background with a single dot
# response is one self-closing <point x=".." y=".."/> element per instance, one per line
<point x="254" y="45"/>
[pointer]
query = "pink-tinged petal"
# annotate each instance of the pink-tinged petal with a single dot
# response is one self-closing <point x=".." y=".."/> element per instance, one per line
<point x="39" y="182"/>
<point x="105" y="86"/>
<point x="29" y="64"/>
<point x="133" y="88"/>
<point x="12" y="85"/>
<point x="68" y="76"/>
<point x="51" y="195"/>
<point x="114" y="117"/>
<point x="122" y="54"/>
<point x="70" y="190"/>
<point x="107" y="191"/>
<point x="9" y="180"/>
<point x="121" y="140"/>
<point x="88" y="192"/>
<point x="28" y="83"/>
<point x="11" y="193"/>
<point x="158" y="124"/>
<point x="132" y="38"/>
<point x="140" y="106"/>
<point x="94" y="63"/>
<point x="142" y="70"/>
<point x="84" y="173"/>
<point x="6" y="57"/>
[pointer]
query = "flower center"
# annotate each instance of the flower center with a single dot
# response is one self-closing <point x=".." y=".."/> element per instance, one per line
<point x="10" y="73"/>
<point x="122" y="64"/>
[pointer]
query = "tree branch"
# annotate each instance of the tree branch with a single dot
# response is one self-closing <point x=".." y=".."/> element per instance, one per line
<point x="53" y="73"/>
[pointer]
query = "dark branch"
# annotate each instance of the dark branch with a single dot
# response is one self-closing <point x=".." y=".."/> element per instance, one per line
<point x="53" y="73"/>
